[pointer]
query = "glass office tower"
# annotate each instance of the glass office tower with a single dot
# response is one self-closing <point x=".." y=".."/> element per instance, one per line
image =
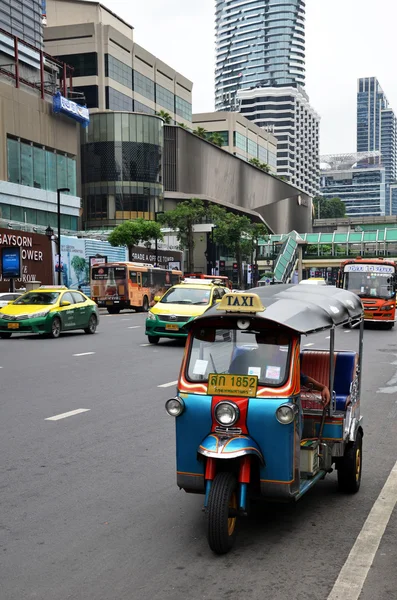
<point x="259" y="43"/>
<point x="23" y="18"/>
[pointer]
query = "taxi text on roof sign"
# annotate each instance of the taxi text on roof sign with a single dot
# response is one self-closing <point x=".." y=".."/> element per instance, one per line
<point x="239" y="302"/>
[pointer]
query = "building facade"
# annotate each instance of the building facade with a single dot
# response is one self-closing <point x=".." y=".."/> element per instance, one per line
<point x="287" y="113"/>
<point x="240" y="136"/>
<point x="122" y="168"/>
<point x="111" y="71"/>
<point x="39" y="150"/>
<point x="359" y="180"/>
<point x="377" y="131"/>
<point x="23" y="19"/>
<point x="259" y="43"/>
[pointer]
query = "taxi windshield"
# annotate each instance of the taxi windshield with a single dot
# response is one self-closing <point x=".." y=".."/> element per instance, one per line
<point x="41" y="298"/>
<point x="262" y="354"/>
<point x="378" y="285"/>
<point x="185" y="295"/>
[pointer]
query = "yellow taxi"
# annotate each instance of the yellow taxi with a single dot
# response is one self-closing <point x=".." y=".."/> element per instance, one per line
<point x="179" y="305"/>
<point x="49" y="310"/>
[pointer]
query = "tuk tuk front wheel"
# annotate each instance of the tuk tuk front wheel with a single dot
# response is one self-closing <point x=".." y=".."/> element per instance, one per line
<point x="222" y="513"/>
<point x="350" y="467"/>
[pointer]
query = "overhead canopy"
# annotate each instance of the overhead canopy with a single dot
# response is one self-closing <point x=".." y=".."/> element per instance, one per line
<point x="305" y="309"/>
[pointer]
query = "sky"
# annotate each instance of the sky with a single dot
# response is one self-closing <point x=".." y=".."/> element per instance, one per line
<point x="345" y="40"/>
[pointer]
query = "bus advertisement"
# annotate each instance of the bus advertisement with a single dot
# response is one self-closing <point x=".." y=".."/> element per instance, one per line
<point x="117" y="286"/>
<point x="374" y="281"/>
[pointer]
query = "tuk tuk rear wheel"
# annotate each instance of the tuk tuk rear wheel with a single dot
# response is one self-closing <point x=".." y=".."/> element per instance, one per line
<point x="350" y="467"/>
<point x="222" y="526"/>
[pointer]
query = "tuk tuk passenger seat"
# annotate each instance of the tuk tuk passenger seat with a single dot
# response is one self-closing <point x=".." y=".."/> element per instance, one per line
<point x="315" y="364"/>
<point x="345" y="370"/>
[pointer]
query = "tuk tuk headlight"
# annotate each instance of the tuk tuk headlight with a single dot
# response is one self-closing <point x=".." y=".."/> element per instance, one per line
<point x="175" y="406"/>
<point x="285" y="413"/>
<point x="227" y="413"/>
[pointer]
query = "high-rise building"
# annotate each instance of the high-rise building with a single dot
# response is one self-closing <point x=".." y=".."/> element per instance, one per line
<point x="23" y="19"/>
<point x="377" y="131"/>
<point x="110" y="69"/>
<point x="358" y="179"/>
<point x="259" y="43"/>
<point x="287" y="113"/>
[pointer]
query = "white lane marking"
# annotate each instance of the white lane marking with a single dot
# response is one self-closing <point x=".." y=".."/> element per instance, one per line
<point x="71" y="413"/>
<point x="391" y="384"/>
<point x="354" y="572"/>
<point x="125" y="319"/>
<point x="170" y="384"/>
<point x="311" y="344"/>
<point x="144" y="345"/>
<point x="134" y="327"/>
<point x="84" y="354"/>
<point x="348" y="331"/>
<point x="328" y="337"/>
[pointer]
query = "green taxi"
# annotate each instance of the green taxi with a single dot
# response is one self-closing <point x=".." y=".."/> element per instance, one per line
<point x="49" y="310"/>
<point x="179" y="305"/>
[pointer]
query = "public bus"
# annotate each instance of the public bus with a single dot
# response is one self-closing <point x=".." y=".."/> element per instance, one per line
<point x="121" y="285"/>
<point x="374" y="280"/>
<point x="225" y="280"/>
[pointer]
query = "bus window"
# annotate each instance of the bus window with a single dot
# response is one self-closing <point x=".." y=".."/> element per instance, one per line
<point x="158" y="278"/>
<point x="145" y="279"/>
<point x="133" y="277"/>
<point x="175" y="279"/>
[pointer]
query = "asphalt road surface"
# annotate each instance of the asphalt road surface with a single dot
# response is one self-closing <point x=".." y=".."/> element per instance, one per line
<point x="89" y="505"/>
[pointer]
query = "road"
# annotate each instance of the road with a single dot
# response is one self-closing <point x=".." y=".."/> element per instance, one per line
<point x="89" y="505"/>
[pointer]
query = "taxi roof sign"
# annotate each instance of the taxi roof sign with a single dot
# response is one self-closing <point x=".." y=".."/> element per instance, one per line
<point x="241" y="302"/>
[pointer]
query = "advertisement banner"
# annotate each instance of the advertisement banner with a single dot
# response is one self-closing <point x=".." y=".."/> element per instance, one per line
<point x="11" y="264"/>
<point x="36" y="257"/>
<point x="165" y="258"/>
<point x="71" y="109"/>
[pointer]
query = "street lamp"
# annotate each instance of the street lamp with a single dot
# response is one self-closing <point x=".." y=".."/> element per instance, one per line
<point x="160" y="212"/>
<point x="59" y="191"/>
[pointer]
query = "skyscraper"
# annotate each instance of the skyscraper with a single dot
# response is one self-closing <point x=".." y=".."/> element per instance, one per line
<point x="23" y="18"/>
<point x="377" y="130"/>
<point x="259" y="43"/>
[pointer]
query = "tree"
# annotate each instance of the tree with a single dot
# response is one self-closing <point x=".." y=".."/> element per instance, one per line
<point x="216" y="138"/>
<point x="329" y="208"/>
<point x="234" y="232"/>
<point x="260" y="165"/>
<point x="165" y="116"/>
<point x="181" y="220"/>
<point x="131" y="233"/>
<point x="183" y="125"/>
<point x="200" y="132"/>
<point x="79" y="266"/>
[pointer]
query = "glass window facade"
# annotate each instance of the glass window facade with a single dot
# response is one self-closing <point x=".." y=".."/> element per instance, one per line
<point x="144" y="86"/>
<point x="122" y="167"/>
<point x="90" y="93"/>
<point x="37" y="217"/>
<point x="259" y="43"/>
<point x="240" y="141"/>
<point x="139" y="107"/>
<point x="115" y="100"/>
<point x="39" y="167"/>
<point x="165" y="98"/>
<point x="252" y="148"/>
<point x="84" y="65"/>
<point x="117" y="70"/>
<point x="23" y="18"/>
<point x="183" y="108"/>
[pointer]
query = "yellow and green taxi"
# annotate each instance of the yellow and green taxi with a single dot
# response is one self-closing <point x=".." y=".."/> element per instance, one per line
<point x="179" y="305"/>
<point x="49" y="310"/>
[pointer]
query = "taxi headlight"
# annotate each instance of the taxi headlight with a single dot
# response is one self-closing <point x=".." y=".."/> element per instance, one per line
<point x="285" y="413"/>
<point x="40" y="313"/>
<point x="227" y="413"/>
<point x="151" y="316"/>
<point x="175" y="406"/>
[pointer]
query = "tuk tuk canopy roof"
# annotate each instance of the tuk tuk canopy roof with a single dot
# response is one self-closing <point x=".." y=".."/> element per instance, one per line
<point x="305" y="309"/>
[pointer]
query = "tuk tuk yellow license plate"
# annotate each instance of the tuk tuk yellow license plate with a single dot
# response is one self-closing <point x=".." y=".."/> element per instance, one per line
<point x="232" y="385"/>
<point x="13" y="326"/>
<point x="171" y="327"/>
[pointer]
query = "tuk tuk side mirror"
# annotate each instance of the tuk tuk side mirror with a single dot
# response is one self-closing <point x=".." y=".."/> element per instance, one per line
<point x="205" y="335"/>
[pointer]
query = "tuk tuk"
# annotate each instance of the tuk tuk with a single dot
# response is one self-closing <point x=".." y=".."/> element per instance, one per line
<point x="245" y="427"/>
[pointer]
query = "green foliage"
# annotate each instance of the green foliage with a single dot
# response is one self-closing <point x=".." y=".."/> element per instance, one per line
<point x="79" y="266"/>
<point x="131" y="233"/>
<point x="260" y="165"/>
<point x="329" y="208"/>
<point x="200" y="132"/>
<point x="183" y="125"/>
<point x="216" y="138"/>
<point x="165" y="116"/>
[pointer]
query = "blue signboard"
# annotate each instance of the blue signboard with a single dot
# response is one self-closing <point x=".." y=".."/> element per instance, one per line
<point x="70" y="109"/>
<point x="11" y="264"/>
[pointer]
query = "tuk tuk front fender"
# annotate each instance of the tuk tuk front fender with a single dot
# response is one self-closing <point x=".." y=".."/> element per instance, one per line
<point x="219" y="446"/>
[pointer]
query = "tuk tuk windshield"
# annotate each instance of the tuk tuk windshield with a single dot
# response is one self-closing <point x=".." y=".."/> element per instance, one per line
<point x="264" y="354"/>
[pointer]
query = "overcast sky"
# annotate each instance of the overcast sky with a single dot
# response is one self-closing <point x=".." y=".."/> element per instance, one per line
<point x="345" y="39"/>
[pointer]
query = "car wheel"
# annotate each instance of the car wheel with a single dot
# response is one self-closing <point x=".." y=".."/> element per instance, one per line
<point x="153" y="339"/>
<point x="92" y="325"/>
<point x="5" y="336"/>
<point x="55" y="328"/>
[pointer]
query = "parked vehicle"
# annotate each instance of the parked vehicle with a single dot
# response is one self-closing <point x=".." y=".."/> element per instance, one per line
<point x="245" y="427"/>
<point x="7" y="297"/>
